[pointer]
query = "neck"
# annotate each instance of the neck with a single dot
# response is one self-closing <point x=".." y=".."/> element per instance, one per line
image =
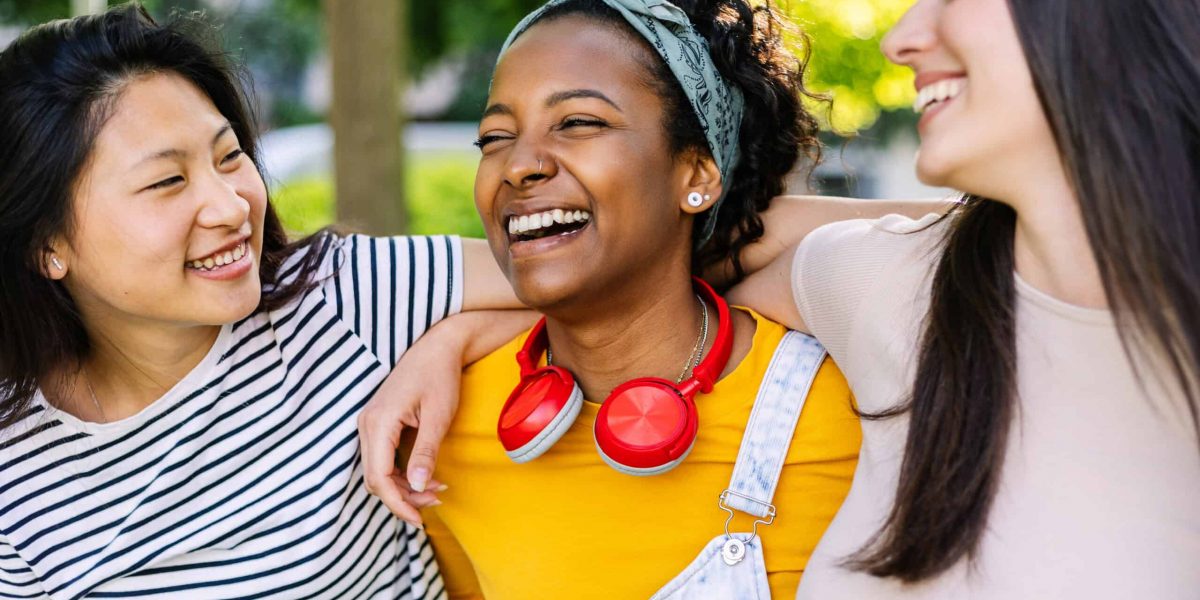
<point x="131" y="366"/>
<point x="1051" y="247"/>
<point x="633" y="334"/>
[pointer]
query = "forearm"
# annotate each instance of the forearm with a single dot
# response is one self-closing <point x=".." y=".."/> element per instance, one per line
<point x="791" y="218"/>
<point x="484" y="287"/>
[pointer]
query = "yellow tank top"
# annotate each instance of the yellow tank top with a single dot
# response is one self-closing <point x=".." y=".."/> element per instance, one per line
<point x="566" y="525"/>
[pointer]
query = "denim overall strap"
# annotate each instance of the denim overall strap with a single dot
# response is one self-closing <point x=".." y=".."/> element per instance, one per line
<point x="772" y="424"/>
<point x="732" y="565"/>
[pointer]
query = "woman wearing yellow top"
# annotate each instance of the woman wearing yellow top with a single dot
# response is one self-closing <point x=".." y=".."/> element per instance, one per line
<point x="610" y="173"/>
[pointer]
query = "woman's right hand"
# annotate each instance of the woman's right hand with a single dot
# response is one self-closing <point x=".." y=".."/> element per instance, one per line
<point x="422" y="393"/>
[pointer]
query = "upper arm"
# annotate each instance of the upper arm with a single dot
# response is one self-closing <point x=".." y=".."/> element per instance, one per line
<point x="390" y="290"/>
<point x="485" y="286"/>
<point x="791" y="218"/>
<point x="769" y="292"/>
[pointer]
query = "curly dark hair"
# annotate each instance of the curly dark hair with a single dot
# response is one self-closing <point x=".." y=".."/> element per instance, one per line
<point x="747" y="45"/>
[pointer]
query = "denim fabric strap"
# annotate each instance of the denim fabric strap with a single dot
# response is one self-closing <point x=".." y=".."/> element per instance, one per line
<point x="718" y="104"/>
<point x="773" y="421"/>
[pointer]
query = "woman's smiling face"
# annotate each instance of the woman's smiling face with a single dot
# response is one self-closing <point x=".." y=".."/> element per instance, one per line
<point x="981" y="119"/>
<point x="578" y="188"/>
<point x="168" y="213"/>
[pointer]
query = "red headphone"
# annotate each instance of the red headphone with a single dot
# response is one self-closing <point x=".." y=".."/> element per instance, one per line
<point x="646" y="426"/>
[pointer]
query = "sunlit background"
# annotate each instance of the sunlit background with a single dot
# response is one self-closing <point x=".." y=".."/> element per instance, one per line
<point x="446" y="51"/>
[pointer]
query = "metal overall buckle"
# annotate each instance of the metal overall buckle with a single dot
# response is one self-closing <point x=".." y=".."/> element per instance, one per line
<point x="734" y="549"/>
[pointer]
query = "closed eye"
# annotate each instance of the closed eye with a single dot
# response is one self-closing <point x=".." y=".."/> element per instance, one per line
<point x="484" y="140"/>
<point x="166" y="183"/>
<point x="232" y="156"/>
<point x="582" y="122"/>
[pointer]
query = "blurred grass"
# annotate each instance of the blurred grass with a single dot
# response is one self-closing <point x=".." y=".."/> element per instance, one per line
<point x="439" y="187"/>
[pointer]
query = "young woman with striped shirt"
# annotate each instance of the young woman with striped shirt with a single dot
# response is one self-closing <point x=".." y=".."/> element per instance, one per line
<point x="180" y="384"/>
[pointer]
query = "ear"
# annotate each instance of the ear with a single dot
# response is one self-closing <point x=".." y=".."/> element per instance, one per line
<point x="702" y="183"/>
<point x="54" y="263"/>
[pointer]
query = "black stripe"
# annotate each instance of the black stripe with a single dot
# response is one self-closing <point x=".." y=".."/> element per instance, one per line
<point x="374" y="296"/>
<point x="430" y="279"/>
<point x="392" y="316"/>
<point x="354" y="279"/>
<point x="449" y="276"/>
<point x="412" y="284"/>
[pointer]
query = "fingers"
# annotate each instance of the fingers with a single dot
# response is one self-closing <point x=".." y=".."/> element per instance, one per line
<point x="435" y="420"/>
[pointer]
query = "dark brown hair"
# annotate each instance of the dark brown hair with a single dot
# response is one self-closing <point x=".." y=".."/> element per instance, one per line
<point x="1127" y="124"/>
<point x="748" y="48"/>
<point x="57" y="84"/>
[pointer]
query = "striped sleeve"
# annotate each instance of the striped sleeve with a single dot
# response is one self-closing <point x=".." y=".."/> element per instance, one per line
<point x="390" y="290"/>
<point x="16" y="578"/>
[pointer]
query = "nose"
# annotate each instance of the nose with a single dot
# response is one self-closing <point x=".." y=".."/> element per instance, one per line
<point x="528" y="165"/>
<point x="221" y="205"/>
<point x="914" y="35"/>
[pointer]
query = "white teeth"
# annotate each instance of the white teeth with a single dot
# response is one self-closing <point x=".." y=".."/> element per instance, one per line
<point x="220" y="259"/>
<point x="940" y="91"/>
<point x="542" y="220"/>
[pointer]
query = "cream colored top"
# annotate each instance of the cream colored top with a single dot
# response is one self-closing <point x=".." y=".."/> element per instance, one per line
<point x="1100" y="491"/>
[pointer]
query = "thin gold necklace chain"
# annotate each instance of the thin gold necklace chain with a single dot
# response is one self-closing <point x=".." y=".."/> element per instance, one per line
<point x="92" y="391"/>
<point x="693" y="358"/>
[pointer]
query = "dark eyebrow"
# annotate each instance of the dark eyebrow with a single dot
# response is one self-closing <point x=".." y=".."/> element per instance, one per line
<point x="497" y="109"/>
<point x="559" y="97"/>
<point x="177" y="153"/>
<point x="226" y="128"/>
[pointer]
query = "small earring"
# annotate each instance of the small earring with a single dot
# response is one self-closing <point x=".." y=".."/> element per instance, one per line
<point x="57" y="264"/>
<point x="695" y="200"/>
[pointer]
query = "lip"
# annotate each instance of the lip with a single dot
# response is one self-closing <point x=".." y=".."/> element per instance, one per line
<point x="529" y="248"/>
<point x="228" y="272"/>
<point x="225" y="248"/>
<point x="924" y="80"/>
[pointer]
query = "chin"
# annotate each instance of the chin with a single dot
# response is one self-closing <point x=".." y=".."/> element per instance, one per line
<point x="544" y="289"/>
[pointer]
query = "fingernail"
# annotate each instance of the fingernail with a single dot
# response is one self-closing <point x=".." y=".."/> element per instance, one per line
<point x="435" y="503"/>
<point x="441" y="488"/>
<point x="418" y="478"/>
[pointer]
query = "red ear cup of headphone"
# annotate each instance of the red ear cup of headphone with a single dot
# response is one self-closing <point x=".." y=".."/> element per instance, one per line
<point x="646" y="427"/>
<point x="538" y="413"/>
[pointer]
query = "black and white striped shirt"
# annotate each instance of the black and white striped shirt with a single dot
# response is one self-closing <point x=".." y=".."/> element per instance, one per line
<point x="245" y="479"/>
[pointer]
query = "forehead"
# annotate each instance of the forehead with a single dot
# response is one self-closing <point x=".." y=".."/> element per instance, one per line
<point x="573" y="52"/>
<point x="156" y="112"/>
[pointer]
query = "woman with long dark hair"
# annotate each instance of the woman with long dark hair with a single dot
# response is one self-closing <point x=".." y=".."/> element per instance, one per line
<point x="179" y="383"/>
<point x="1026" y="366"/>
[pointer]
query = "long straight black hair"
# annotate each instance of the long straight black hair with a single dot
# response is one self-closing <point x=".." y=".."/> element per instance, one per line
<point x="58" y="82"/>
<point x="1119" y="83"/>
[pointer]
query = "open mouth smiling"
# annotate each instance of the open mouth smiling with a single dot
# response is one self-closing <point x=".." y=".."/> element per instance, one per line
<point x="557" y="222"/>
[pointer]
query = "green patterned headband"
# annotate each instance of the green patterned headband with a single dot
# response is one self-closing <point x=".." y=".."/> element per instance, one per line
<point x="718" y="105"/>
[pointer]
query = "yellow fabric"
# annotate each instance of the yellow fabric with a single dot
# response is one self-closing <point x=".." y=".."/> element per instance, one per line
<point x="566" y="525"/>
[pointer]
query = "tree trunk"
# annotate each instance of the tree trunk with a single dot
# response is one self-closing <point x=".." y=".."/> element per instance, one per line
<point x="88" y="7"/>
<point x="367" y="56"/>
